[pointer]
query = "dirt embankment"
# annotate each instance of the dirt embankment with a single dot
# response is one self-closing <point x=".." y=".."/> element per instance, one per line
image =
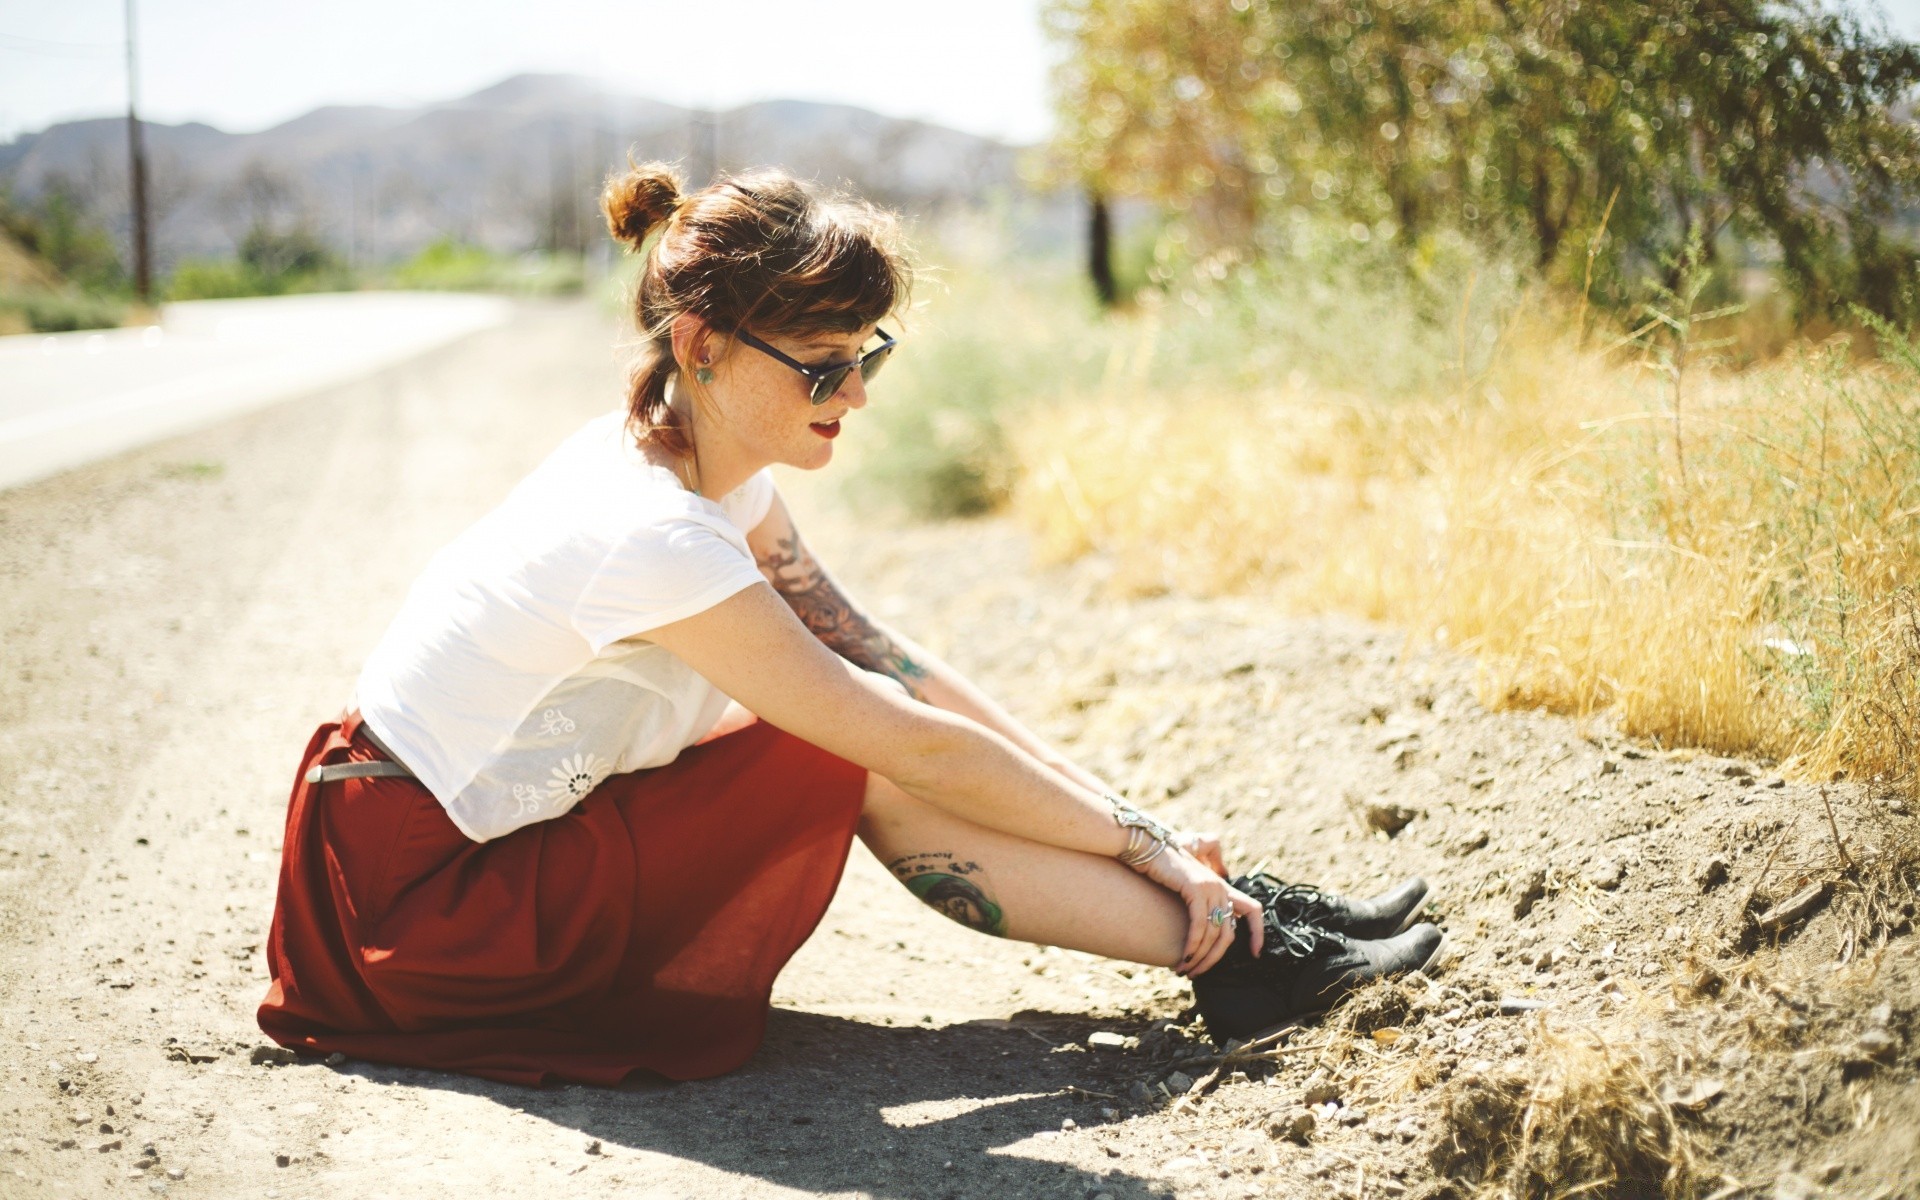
<point x="176" y="622"/>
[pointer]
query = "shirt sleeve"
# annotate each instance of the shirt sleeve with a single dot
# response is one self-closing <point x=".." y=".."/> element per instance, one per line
<point x="659" y="574"/>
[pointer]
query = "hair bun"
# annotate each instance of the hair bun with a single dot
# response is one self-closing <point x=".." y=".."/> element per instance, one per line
<point x="637" y="202"/>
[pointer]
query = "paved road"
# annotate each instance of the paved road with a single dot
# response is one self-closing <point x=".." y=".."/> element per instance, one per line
<point x="72" y="398"/>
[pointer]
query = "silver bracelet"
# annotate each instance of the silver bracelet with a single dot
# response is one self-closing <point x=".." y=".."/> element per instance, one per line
<point x="1147" y="839"/>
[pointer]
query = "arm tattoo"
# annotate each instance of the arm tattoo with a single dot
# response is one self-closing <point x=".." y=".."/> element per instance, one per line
<point x="952" y="888"/>
<point x="820" y="604"/>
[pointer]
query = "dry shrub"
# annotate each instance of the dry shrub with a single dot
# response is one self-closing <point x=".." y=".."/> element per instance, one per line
<point x="1729" y="578"/>
<point x="1578" y="1116"/>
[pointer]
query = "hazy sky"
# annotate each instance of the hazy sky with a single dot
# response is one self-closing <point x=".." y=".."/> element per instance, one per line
<point x="979" y="65"/>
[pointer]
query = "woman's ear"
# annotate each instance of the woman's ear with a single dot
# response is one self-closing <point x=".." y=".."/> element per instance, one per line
<point x="692" y="343"/>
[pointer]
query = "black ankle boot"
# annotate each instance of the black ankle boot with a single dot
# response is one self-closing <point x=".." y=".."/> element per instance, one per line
<point x="1304" y="904"/>
<point x="1302" y="969"/>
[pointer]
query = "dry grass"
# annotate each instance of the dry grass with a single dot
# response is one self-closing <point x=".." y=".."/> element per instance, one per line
<point x="1577" y="1117"/>
<point x="1736" y="576"/>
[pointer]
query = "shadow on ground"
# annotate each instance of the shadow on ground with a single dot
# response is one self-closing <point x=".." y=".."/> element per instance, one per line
<point x="831" y="1104"/>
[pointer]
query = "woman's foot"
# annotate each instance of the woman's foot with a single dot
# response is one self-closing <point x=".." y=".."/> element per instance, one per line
<point x="1303" y="904"/>
<point x="1303" y="969"/>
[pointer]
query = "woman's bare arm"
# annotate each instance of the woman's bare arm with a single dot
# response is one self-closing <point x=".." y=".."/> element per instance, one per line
<point x="753" y="647"/>
<point x="849" y="631"/>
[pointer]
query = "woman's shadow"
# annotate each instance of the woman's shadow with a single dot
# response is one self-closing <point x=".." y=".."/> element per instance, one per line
<point x="836" y="1105"/>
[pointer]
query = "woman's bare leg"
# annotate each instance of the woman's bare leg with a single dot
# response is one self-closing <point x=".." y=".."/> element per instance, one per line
<point x="1010" y="887"/>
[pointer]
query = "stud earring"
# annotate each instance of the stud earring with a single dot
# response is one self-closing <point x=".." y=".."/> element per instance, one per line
<point x="704" y="375"/>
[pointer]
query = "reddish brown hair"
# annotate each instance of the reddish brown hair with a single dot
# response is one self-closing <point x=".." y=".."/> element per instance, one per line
<point x="759" y="252"/>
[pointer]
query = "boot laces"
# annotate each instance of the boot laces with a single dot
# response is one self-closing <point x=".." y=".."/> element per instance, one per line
<point x="1292" y="914"/>
<point x="1297" y="902"/>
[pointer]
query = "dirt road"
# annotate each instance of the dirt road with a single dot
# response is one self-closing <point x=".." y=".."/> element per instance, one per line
<point x="178" y="619"/>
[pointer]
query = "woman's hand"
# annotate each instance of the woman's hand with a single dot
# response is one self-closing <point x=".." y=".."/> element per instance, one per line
<point x="1204" y="892"/>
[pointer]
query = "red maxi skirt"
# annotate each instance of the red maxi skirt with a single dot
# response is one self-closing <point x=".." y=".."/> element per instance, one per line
<point x="642" y="930"/>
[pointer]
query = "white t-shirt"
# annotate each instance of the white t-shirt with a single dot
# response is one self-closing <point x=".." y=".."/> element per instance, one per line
<point x="508" y="682"/>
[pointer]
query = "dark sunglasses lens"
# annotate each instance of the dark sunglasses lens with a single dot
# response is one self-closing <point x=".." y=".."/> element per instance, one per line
<point x="872" y="364"/>
<point x="825" y="386"/>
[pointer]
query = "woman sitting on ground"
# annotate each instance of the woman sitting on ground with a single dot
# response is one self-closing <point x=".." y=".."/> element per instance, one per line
<point x="543" y="843"/>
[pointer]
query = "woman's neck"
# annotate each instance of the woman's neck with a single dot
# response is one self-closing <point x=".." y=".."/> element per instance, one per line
<point x="716" y="465"/>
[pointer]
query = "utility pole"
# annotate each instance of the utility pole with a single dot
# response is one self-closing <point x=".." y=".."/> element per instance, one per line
<point x="142" y="245"/>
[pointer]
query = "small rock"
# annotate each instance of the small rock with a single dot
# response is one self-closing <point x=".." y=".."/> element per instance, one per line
<point x="1477" y="840"/>
<point x="1606" y="874"/>
<point x="176" y="1173"/>
<point x="1110" y="1114"/>
<point x="1776" y="782"/>
<point x="1737" y="771"/>
<point x="1106" y="1040"/>
<point x="103" y="1147"/>
<point x="1876" y="1045"/>
<point x="1691" y="1094"/>
<point x="1529" y="891"/>
<point x="1881" y="1015"/>
<point x="1609" y="767"/>
<point x="1069" y="1125"/>
<point x="1321" y="1093"/>
<point x="1713" y="873"/>
<point x="1407" y="1130"/>
<point x="1831" y="1171"/>
<point x="1139" y="1093"/>
<point x="282" y="1160"/>
<point x="89" y="1057"/>
<point x="1793" y="1186"/>
<point x="1179" y="1083"/>
<point x="593" y="1147"/>
<point x="1389" y="819"/>
<point x="272" y="1056"/>
<point x="336" y="1058"/>
<point x="1353" y="1116"/>
<point x="1296" y="1128"/>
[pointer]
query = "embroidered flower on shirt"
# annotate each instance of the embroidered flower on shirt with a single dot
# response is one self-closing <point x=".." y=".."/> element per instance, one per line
<point x="576" y="776"/>
<point x="554" y="721"/>
<point x="529" y="798"/>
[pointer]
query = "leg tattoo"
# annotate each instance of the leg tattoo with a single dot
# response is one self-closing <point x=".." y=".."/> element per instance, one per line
<point x="952" y="887"/>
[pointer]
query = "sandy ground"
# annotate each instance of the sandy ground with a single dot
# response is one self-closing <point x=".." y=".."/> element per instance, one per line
<point x="178" y="619"/>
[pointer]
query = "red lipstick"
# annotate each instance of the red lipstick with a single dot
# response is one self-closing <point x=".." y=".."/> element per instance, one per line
<point x="826" y="429"/>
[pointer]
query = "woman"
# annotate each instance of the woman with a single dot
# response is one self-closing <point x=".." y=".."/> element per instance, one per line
<point x="544" y="843"/>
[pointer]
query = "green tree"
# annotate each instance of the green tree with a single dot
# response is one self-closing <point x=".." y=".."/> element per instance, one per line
<point x="58" y="228"/>
<point x="1697" y="121"/>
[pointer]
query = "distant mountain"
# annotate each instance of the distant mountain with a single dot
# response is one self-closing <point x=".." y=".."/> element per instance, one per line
<point x="512" y="166"/>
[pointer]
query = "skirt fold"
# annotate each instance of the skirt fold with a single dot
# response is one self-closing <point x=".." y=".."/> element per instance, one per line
<point x="642" y="930"/>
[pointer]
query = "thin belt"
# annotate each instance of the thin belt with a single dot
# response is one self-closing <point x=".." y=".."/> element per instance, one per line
<point x="393" y="768"/>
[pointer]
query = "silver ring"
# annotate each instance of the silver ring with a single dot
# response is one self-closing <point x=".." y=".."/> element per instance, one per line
<point x="1221" y="915"/>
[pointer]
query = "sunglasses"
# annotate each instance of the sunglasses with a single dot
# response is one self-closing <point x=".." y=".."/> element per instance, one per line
<point x="827" y="378"/>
